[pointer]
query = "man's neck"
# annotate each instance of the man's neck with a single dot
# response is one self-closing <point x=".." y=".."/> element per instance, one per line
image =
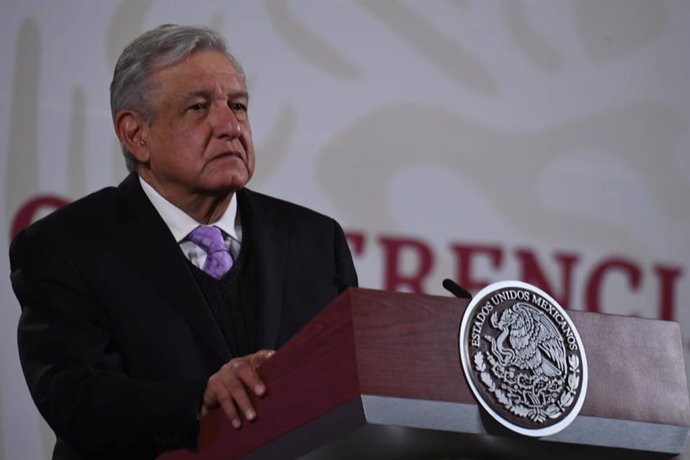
<point x="204" y="209"/>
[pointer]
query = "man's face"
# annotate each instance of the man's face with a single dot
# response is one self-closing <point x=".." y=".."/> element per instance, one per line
<point x="199" y="140"/>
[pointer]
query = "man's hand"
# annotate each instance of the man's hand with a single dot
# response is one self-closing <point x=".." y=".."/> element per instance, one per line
<point x="228" y="387"/>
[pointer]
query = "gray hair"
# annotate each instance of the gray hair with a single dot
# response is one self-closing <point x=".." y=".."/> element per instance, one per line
<point x="160" y="47"/>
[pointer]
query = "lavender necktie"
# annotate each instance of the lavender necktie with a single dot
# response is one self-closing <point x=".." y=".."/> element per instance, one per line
<point x="218" y="259"/>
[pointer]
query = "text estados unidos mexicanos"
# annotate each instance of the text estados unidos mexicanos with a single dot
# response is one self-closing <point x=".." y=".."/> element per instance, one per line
<point x="525" y="296"/>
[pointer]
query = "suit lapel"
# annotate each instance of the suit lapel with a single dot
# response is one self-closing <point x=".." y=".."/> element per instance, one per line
<point x="154" y="252"/>
<point x="269" y="247"/>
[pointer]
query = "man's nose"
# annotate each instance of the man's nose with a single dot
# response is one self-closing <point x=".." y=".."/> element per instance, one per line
<point x="227" y="123"/>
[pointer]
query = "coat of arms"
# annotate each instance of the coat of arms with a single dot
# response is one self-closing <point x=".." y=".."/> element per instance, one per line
<point x="523" y="358"/>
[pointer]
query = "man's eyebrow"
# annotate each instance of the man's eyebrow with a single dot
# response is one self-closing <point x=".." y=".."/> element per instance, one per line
<point x="238" y="95"/>
<point x="206" y="94"/>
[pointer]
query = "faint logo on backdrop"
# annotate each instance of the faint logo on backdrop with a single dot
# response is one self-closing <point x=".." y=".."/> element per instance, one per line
<point x="632" y="135"/>
<point x="523" y="358"/>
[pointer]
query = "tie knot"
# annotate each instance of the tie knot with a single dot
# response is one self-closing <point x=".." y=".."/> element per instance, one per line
<point x="209" y="238"/>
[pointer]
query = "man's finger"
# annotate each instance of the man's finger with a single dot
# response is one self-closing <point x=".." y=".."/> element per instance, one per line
<point x="217" y="394"/>
<point x="249" y="377"/>
<point x="260" y="357"/>
<point x="237" y="376"/>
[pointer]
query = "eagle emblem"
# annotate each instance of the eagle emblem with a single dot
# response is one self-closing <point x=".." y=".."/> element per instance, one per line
<point x="523" y="358"/>
<point x="534" y="342"/>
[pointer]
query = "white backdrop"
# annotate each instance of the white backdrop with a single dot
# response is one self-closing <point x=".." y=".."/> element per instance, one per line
<point x="478" y="140"/>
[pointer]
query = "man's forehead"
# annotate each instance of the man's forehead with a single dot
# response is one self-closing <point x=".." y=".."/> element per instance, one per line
<point x="201" y="76"/>
<point x="202" y="65"/>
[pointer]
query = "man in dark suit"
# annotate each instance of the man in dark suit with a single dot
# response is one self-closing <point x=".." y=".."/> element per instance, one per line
<point x="147" y="305"/>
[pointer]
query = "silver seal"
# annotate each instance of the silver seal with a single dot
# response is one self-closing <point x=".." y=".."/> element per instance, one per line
<point x="523" y="358"/>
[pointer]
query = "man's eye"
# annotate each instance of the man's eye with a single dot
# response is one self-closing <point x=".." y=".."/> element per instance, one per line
<point x="198" y="106"/>
<point x="237" y="106"/>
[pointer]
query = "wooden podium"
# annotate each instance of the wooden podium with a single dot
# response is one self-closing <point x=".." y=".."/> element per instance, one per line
<point x="377" y="375"/>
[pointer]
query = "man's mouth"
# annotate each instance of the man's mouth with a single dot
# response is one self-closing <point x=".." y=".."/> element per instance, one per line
<point x="228" y="154"/>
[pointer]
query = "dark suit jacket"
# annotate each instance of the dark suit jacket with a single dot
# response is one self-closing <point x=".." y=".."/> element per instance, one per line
<point x="115" y="338"/>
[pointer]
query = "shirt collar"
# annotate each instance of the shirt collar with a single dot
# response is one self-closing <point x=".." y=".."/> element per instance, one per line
<point x="180" y="223"/>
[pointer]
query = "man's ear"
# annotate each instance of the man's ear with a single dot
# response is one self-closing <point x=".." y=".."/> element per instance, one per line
<point x="132" y="130"/>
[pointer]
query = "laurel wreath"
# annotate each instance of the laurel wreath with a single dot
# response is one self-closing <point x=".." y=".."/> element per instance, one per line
<point x="511" y="402"/>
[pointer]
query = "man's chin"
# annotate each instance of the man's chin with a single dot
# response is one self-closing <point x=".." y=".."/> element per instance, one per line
<point x="225" y="187"/>
<point x="231" y="177"/>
